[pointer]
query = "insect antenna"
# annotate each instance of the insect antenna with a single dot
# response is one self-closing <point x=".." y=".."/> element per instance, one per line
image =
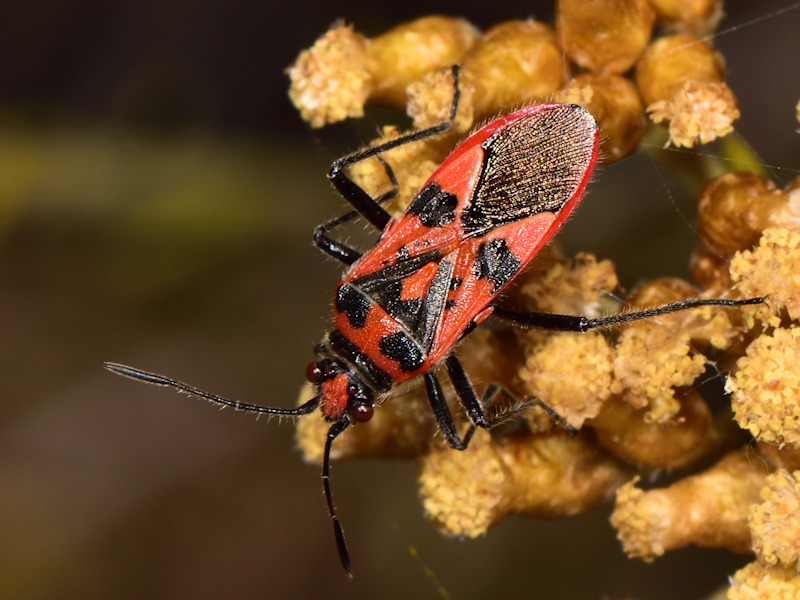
<point x="155" y="379"/>
<point x="338" y="532"/>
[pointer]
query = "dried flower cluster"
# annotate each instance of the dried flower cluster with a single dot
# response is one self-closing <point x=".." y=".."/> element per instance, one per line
<point x="678" y="79"/>
<point x="631" y="392"/>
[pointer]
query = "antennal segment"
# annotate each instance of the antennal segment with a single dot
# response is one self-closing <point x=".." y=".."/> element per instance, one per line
<point x="155" y="379"/>
<point x="338" y="532"/>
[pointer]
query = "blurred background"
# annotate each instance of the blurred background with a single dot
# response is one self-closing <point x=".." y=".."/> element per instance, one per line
<point x="157" y="196"/>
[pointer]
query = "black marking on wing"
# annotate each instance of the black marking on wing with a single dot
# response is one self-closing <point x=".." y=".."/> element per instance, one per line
<point x="349" y="352"/>
<point x="397" y="271"/>
<point x="533" y="165"/>
<point x="403" y="349"/>
<point x="385" y="288"/>
<point x="433" y="206"/>
<point x="495" y="261"/>
<point x="405" y="311"/>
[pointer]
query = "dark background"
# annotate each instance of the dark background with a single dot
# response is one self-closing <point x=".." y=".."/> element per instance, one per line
<point x="157" y="194"/>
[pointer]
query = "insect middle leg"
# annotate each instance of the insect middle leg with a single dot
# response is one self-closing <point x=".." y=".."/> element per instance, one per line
<point x="473" y="405"/>
<point x="371" y="208"/>
<point x="338" y="250"/>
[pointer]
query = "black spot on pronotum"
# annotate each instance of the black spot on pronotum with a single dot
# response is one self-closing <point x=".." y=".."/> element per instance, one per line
<point x="433" y="206"/>
<point x="401" y="348"/>
<point x="353" y="305"/>
<point x="495" y="261"/>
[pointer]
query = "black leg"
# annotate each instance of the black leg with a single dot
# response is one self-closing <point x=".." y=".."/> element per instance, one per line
<point x="342" y="252"/>
<point x="476" y="409"/>
<point x="466" y="393"/>
<point x="537" y="320"/>
<point x="518" y="407"/>
<point x="365" y="204"/>
<point x="474" y="406"/>
<point x="443" y="416"/>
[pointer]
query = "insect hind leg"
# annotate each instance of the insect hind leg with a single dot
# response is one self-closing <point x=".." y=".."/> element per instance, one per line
<point x="554" y="322"/>
<point x="365" y="204"/>
<point x="517" y="407"/>
<point x="444" y="417"/>
<point x="474" y="406"/>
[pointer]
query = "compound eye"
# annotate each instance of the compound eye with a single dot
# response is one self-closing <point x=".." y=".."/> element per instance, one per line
<point x="313" y="373"/>
<point x="362" y="413"/>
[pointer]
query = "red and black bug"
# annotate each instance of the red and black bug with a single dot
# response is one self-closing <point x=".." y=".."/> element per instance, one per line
<point x="437" y="269"/>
